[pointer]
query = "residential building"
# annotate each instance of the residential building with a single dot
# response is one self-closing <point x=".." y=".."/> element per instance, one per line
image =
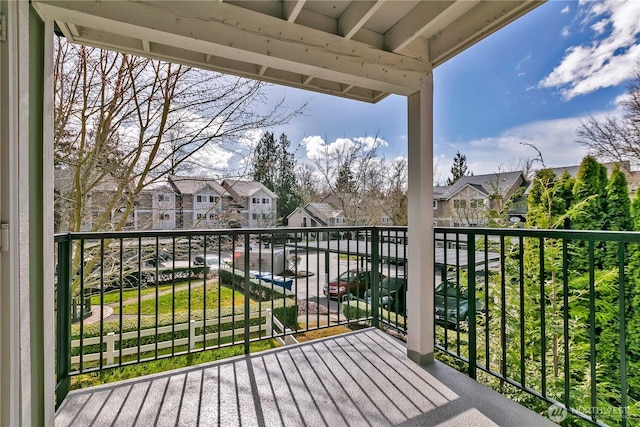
<point x="465" y="203"/>
<point x="255" y="202"/>
<point x="202" y="203"/>
<point x="156" y="209"/>
<point x="316" y="215"/>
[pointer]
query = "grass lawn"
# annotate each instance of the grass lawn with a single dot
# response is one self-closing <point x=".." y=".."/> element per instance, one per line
<point x="181" y="300"/>
<point x="114" y="296"/>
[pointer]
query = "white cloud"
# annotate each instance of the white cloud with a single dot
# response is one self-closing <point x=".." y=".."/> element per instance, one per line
<point x="565" y="32"/>
<point x="556" y="140"/>
<point x="317" y="147"/>
<point x="251" y="138"/>
<point x="566" y="9"/>
<point x="608" y="59"/>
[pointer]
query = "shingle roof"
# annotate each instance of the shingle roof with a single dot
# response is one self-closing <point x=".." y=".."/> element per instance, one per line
<point x="487" y="184"/>
<point x="246" y="188"/>
<point x="187" y="185"/>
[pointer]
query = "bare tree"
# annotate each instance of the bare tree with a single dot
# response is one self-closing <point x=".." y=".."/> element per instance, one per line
<point x="308" y="182"/>
<point x="129" y="121"/>
<point x="616" y="139"/>
<point x="352" y="174"/>
<point x="396" y="192"/>
<point x="122" y="123"/>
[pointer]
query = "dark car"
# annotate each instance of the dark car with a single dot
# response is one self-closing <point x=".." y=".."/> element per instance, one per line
<point x="353" y="282"/>
<point x="452" y="304"/>
<point x="392" y="295"/>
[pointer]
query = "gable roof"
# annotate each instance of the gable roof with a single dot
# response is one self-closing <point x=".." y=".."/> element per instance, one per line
<point x="241" y="189"/>
<point x="187" y="185"/>
<point x="487" y="184"/>
<point x="320" y="212"/>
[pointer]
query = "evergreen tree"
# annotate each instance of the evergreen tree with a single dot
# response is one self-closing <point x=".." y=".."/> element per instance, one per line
<point x="589" y="192"/>
<point x="632" y="294"/>
<point x="266" y="161"/>
<point x="618" y="203"/>
<point x="543" y="205"/>
<point x="459" y="169"/>
<point x="274" y="167"/>
<point x="287" y="187"/>
<point x="345" y="181"/>
<point x="564" y="193"/>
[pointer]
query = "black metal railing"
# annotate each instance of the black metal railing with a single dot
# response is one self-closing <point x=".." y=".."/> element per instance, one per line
<point x="546" y="313"/>
<point x="158" y="294"/>
<point x="546" y="317"/>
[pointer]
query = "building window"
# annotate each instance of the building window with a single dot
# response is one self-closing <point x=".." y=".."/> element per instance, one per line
<point x="164" y="216"/>
<point x="254" y="216"/>
<point x="386" y="220"/>
<point x="477" y="203"/>
<point x="199" y="216"/>
<point x="266" y="201"/>
<point x="200" y="199"/>
<point x="256" y="200"/>
<point x="459" y="204"/>
<point x="164" y="198"/>
<point x="435" y="204"/>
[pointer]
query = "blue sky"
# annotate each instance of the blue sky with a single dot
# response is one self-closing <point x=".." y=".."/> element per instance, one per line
<point x="533" y="81"/>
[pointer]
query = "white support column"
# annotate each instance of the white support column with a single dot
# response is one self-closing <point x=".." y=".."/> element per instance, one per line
<point x="420" y="337"/>
<point x="27" y="379"/>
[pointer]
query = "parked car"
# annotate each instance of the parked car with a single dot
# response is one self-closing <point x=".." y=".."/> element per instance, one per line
<point x="353" y="282"/>
<point x="392" y="295"/>
<point x="457" y="304"/>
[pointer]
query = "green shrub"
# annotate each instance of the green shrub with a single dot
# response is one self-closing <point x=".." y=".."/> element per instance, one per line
<point x="257" y="288"/>
<point x="359" y="309"/>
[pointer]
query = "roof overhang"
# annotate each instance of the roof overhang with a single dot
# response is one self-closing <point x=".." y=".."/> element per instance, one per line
<point x="363" y="50"/>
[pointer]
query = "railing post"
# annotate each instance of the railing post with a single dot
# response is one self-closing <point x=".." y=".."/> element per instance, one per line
<point x="247" y="293"/>
<point x="471" y="291"/>
<point x="192" y="334"/>
<point x="623" y="335"/>
<point x="63" y="321"/>
<point x="110" y="341"/>
<point x="375" y="279"/>
<point x="269" y="323"/>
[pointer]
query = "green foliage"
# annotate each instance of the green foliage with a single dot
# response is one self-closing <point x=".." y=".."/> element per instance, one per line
<point x="274" y="167"/>
<point x="635" y="211"/>
<point x="591" y="181"/>
<point x="360" y="309"/>
<point x="606" y="338"/>
<point x="590" y="193"/>
<point x="618" y="212"/>
<point x="618" y="203"/>
<point x="458" y="169"/>
<point x="543" y="203"/>
<point x="287" y="312"/>
<point x="345" y="182"/>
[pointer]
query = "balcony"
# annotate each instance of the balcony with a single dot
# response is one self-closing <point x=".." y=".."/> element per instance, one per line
<point x="533" y="314"/>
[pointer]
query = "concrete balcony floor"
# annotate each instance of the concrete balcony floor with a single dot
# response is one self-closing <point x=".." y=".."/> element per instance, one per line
<point x="363" y="378"/>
